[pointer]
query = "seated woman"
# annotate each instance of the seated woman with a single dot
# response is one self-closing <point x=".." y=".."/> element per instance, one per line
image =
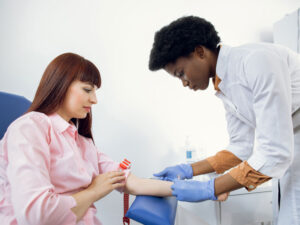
<point x="50" y="169"/>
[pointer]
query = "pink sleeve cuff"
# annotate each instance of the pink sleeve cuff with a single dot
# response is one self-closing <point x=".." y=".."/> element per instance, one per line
<point x="66" y="204"/>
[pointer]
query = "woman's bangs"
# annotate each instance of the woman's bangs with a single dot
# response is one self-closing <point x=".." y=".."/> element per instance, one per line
<point x="90" y="74"/>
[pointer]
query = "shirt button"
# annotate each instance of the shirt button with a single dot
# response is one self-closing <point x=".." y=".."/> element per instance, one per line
<point x="251" y="187"/>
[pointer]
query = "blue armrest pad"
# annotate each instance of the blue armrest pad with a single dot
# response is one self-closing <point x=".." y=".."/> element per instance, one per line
<point x="150" y="210"/>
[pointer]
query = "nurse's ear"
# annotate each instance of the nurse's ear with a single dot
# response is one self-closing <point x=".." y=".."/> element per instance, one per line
<point x="200" y="51"/>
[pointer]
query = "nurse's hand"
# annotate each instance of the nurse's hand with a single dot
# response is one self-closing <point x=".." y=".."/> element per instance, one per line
<point x="223" y="197"/>
<point x="181" y="171"/>
<point x="194" y="191"/>
<point x="105" y="183"/>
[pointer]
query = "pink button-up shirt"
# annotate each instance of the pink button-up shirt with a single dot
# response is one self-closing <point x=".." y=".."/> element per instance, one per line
<point x="43" y="160"/>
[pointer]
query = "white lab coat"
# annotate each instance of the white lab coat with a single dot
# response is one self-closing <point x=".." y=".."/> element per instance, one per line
<point x="260" y="89"/>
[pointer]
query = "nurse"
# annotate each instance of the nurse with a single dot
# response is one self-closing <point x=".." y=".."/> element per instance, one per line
<point x="51" y="172"/>
<point x="259" y="85"/>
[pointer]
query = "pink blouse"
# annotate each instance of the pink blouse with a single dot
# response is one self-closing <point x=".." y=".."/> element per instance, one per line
<point x="43" y="160"/>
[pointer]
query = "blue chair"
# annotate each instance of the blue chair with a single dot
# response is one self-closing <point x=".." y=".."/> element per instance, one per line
<point x="12" y="106"/>
<point x="150" y="210"/>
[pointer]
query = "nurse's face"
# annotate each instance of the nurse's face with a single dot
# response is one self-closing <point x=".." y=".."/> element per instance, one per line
<point x="78" y="101"/>
<point x="194" y="70"/>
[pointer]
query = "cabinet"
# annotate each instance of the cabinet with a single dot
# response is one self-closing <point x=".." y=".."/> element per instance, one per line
<point x="241" y="207"/>
<point x="247" y="208"/>
<point x="287" y="31"/>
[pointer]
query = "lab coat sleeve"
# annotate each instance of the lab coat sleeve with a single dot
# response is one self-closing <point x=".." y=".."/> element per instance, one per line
<point x="269" y="81"/>
<point x="32" y="194"/>
<point x="241" y="136"/>
<point x="223" y="160"/>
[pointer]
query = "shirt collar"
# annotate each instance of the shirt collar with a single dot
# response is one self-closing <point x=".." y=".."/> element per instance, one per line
<point x="222" y="61"/>
<point x="221" y="67"/>
<point x="61" y="125"/>
<point x="216" y="81"/>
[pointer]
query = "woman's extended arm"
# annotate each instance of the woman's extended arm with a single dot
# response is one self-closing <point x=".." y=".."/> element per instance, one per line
<point x="142" y="186"/>
<point x="103" y="184"/>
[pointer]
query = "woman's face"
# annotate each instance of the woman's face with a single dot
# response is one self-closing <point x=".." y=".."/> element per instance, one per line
<point x="78" y="101"/>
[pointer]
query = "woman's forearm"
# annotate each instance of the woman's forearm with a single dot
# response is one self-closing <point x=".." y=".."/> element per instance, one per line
<point x="84" y="200"/>
<point x="141" y="186"/>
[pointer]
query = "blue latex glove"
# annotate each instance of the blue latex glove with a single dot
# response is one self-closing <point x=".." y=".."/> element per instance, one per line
<point x="181" y="171"/>
<point x="194" y="191"/>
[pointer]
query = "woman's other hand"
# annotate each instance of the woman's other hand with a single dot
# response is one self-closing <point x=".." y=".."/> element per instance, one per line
<point x="105" y="183"/>
<point x="101" y="186"/>
<point x="223" y="197"/>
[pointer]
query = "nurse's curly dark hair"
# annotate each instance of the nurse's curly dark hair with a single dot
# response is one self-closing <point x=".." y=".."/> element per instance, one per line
<point x="180" y="38"/>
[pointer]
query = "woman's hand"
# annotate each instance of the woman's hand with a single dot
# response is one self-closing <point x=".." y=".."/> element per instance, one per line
<point x="101" y="185"/>
<point x="105" y="183"/>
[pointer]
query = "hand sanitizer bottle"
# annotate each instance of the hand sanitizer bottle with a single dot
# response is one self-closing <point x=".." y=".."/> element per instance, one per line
<point x="190" y="153"/>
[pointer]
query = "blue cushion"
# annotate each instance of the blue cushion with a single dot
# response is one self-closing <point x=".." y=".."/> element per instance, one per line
<point x="12" y="106"/>
<point x="150" y="210"/>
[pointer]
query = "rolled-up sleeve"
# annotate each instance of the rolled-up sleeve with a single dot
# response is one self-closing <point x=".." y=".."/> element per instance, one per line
<point x="268" y="78"/>
<point x="32" y="194"/>
<point x="222" y="161"/>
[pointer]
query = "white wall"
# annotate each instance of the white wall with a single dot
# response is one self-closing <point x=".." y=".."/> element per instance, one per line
<point x="141" y="115"/>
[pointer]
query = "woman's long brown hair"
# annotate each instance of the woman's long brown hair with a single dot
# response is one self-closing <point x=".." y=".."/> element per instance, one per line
<point x="56" y="80"/>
